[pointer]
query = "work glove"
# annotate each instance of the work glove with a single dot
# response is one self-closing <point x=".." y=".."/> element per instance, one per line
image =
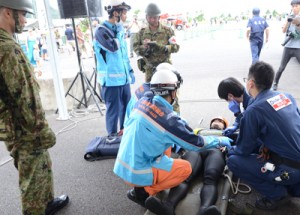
<point x="225" y="142"/>
<point x="234" y="107"/>
<point x="132" y="77"/>
<point x="217" y="142"/>
<point x="230" y="130"/>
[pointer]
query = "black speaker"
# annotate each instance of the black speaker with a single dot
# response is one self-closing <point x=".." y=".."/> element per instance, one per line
<point x="72" y="8"/>
<point x="94" y="8"/>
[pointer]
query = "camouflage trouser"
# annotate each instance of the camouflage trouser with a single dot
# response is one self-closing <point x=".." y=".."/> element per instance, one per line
<point x="148" y="75"/>
<point x="176" y="106"/>
<point x="35" y="181"/>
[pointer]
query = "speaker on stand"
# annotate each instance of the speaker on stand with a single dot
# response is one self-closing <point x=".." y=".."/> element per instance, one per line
<point x="76" y="9"/>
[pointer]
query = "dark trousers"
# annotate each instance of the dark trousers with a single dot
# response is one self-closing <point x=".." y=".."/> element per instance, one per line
<point x="248" y="168"/>
<point x="116" y="99"/>
<point x="212" y="163"/>
<point x="256" y="47"/>
<point x="288" y="53"/>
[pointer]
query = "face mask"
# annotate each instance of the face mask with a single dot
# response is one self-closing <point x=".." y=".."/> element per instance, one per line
<point x="248" y="90"/>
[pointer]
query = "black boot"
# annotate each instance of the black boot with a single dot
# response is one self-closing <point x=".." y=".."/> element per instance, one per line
<point x="56" y="204"/>
<point x="138" y="195"/>
<point x="167" y="207"/>
<point x="159" y="207"/>
<point x="211" y="210"/>
<point x="208" y="196"/>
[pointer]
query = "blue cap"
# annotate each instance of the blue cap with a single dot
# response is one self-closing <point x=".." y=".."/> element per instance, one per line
<point x="255" y="11"/>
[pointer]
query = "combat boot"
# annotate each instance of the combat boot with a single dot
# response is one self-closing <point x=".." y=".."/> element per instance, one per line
<point x="56" y="204"/>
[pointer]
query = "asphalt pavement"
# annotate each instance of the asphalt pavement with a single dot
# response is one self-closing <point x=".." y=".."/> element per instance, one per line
<point x="205" y="58"/>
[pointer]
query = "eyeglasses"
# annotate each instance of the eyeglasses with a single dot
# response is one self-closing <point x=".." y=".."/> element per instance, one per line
<point x="248" y="79"/>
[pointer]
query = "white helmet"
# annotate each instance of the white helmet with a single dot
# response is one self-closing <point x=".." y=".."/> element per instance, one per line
<point x="165" y="66"/>
<point x="163" y="81"/>
<point x="116" y="5"/>
<point x="169" y="66"/>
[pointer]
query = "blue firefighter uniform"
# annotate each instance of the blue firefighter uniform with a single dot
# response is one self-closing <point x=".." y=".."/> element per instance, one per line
<point x="152" y="128"/>
<point x="114" y="75"/>
<point x="257" y="27"/>
<point x="138" y="93"/>
<point x="273" y="121"/>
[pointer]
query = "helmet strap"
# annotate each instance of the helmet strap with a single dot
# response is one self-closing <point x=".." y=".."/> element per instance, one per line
<point x="173" y="100"/>
<point x="119" y="15"/>
<point x="18" y="27"/>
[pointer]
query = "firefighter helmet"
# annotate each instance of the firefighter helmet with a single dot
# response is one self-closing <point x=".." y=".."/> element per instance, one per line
<point x="116" y="5"/>
<point x="169" y="66"/>
<point x="163" y="81"/>
<point x="222" y="119"/>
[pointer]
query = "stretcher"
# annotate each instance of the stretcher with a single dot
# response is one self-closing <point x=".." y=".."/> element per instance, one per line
<point x="191" y="203"/>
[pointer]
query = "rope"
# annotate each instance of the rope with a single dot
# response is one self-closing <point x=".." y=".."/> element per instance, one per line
<point x="236" y="186"/>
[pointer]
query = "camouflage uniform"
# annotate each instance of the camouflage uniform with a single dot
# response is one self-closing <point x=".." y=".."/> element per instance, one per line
<point x="157" y="54"/>
<point x="24" y="128"/>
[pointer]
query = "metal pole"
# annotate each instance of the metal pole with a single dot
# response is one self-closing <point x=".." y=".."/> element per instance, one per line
<point x="57" y="80"/>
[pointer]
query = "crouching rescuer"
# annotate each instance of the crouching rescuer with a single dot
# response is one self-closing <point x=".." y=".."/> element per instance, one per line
<point x="143" y="160"/>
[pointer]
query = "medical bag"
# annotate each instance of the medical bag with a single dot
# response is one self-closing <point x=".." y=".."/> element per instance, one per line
<point x="101" y="148"/>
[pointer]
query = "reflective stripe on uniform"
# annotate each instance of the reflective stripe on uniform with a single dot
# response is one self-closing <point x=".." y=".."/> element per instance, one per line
<point x="138" y="172"/>
<point x="116" y="75"/>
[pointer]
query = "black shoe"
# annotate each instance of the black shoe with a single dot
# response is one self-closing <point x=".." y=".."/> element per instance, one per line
<point x="138" y="195"/>
<point x="56" y="204"/>
<point x="159" y="207"/>
<point x="269" y="205"/>
<point x="210" y="210"/>
<point x="275" y="86"/>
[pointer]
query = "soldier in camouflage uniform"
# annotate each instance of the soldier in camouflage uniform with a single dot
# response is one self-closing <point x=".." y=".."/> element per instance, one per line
<point x="23" y="126"/>
<point x="154" y="43"/>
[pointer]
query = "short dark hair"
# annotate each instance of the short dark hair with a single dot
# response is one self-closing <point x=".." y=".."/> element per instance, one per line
<point x="263" y="75"/>
<point x="230" y="85"/>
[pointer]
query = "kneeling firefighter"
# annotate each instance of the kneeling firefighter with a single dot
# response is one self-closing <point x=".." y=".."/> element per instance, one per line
<point x="150" y="130"/>
<point x="212" y="161"/>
